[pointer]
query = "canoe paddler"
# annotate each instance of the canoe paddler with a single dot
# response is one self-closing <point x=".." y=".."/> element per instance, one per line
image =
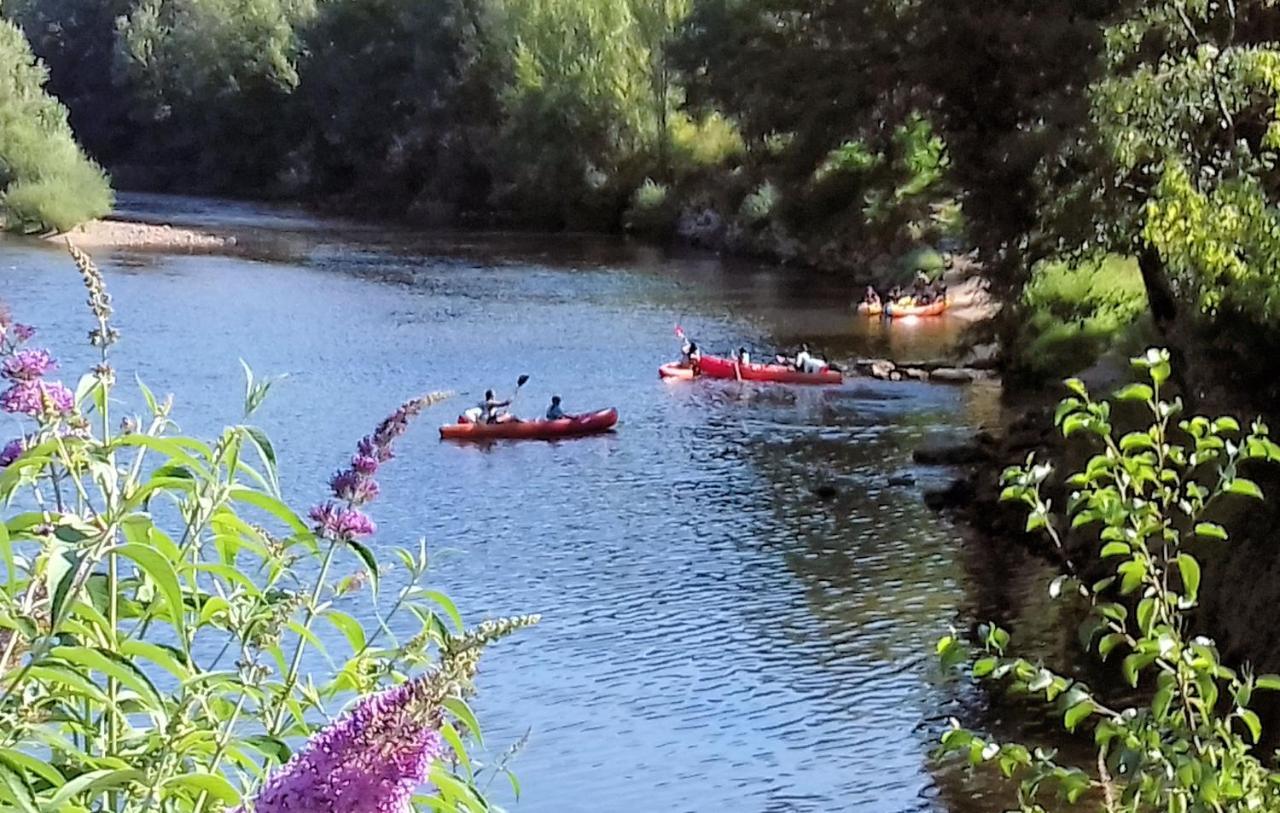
<point x="554" y="412"/>
<point x="491" y="409"/>
<point x="690" y="355"/>
<point x="805" y="362"/>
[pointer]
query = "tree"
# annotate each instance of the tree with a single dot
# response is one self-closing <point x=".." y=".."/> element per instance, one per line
<point x="212" y="78"/>
<point x="46" y="181"/>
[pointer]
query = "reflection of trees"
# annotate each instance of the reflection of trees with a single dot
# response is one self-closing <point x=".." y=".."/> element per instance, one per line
<point x="884" y="576"/>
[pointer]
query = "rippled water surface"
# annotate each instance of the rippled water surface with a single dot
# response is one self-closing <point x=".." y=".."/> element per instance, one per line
<point x="717" y="636"/>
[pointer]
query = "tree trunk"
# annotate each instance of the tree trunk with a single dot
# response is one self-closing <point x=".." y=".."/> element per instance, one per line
<point x="1165" y="313"/>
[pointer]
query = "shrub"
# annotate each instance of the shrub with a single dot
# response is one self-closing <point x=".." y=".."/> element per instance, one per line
<point x="46" y="182"/>
<point x="651" y="211"/>
<point x="851" y="157"/>
<point x="705" y="143"/>
<point x="1143" y="497"/>
<point x="158" y="645"/>
<point x="757" y="207"/>
<point x="1072" y="314"/>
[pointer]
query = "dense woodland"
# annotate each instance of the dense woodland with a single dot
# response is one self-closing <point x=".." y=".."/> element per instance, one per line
<point x="1113" y="163"/>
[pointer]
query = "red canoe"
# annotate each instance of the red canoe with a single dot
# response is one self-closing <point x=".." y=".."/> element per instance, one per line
<point x="591" y="423"/>
<point x="716" y="367"/>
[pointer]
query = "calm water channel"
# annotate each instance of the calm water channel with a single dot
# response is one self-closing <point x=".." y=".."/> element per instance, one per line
<point x="717" y="637"/>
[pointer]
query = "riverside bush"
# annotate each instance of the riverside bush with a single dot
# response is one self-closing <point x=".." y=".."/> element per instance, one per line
<point x="161" y="607"/>
<point x="46" y="182"/>
<point x="1075" y="313"/>
<point x="1144" y="497"/>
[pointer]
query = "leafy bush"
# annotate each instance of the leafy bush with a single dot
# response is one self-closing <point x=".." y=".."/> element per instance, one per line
<point x="158" y="629"/>
<point x="759" y="205"/>
<point x="706" y="143"/>
<point x="651" y="210"/>
<point x="851" y="157"/>
<point x="46" y="182"/>
<point x="1143" y="497"/>
<point x="1072" y="314"/>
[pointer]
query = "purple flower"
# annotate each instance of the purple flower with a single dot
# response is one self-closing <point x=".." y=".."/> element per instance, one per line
<point x="351" y="486"/>
<point x="371" y="760"/>
<point x="333" y="521"/>
<point x="28" y="365"/>
<point x="23" y="332"/>
<point x="364" y="465"/>
<point x="12" y="451"/>
<point x="32" y="397"/>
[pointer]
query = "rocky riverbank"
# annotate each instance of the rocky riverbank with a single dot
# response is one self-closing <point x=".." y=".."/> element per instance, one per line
<point x="112" y="233"/>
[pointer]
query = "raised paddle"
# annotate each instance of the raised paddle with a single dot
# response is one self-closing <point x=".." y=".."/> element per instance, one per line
<point x="520" y="382"/>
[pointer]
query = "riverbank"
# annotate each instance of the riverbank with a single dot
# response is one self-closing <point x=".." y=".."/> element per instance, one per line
<point x="113" y="233"/>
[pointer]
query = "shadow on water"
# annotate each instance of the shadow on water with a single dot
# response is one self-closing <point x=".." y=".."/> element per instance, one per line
<point x="718" y="635"/>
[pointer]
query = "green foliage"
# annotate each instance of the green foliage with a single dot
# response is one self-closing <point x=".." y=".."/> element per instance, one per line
<point x="211" y="79"/>
<point x="705" y="143"/>
<point x="1144" y="497"/>
<point x="46" y="182"/>
<point x="759" y="205"/>
<point x="651" y="210"/>
<point x="161" y="612"/>
<point x="1070" y="314"/>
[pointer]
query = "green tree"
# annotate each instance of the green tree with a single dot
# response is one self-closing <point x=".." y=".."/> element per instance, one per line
<point x="46" y="181"/>
<point x="212" y="79"/>
<point x="400" y="101"/>
<point x="1145" y="497"/>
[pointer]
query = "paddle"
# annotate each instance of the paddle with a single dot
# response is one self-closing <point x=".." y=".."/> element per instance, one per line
<point x="520" y="382"/>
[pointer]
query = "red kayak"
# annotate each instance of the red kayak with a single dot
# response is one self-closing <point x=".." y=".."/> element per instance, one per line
<point x="591" y="423"/>
<point x="716" y="367"/>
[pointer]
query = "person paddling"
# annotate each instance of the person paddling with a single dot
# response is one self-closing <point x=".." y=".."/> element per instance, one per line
<point x="870" y="297"/>
<point x="690" y="355"/>
<point x="554" y="412"/>
<point x="805" y="362"/>
<point x="491" y="409"/>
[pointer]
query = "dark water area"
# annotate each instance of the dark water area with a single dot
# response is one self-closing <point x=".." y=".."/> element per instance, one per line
<point x="716" y="635"/>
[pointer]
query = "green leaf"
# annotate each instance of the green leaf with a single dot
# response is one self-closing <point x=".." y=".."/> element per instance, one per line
<point x="1077" y="713"/>
<point x="1115" y="549"/>
<point x="349" y="627"/>
<point x="1135" y="392"/>
<point x="1134" y="664"/>
<point x="445" y="603"/>
<point x="1190" y="570"/>
<point x="1251" y="721"/>
<point x="459" y="709"/>
<point x="1247" y="488"/>
<point x="1212" y="530"/>
<point x="14" y="787"/>
<point x="93" y="782"/>
<point x="1269" y="682"/>
<point x="370" y="563"/>
<point x="112" y="665"/>
<point x="1226" y="424"/>
<point x="161" y="571"/>
<point x="215" y="785"/>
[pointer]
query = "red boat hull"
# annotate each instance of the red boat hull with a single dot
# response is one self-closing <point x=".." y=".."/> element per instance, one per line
<point x="592" y="423"/>
<point x="716" y="367"/>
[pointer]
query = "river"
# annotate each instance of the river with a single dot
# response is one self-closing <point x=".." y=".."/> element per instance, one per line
<point x="716" y="635"/>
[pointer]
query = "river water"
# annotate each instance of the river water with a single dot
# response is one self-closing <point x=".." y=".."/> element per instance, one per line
<point x="716" y="635"/>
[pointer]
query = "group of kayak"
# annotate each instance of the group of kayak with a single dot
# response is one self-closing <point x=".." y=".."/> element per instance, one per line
<point x="491" y="419"/>
<point x="925" y="298"/>
<point x="803" y="368"/>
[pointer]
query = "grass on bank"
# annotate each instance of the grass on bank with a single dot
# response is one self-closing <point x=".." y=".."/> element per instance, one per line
<point x="1072" y="314"/>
